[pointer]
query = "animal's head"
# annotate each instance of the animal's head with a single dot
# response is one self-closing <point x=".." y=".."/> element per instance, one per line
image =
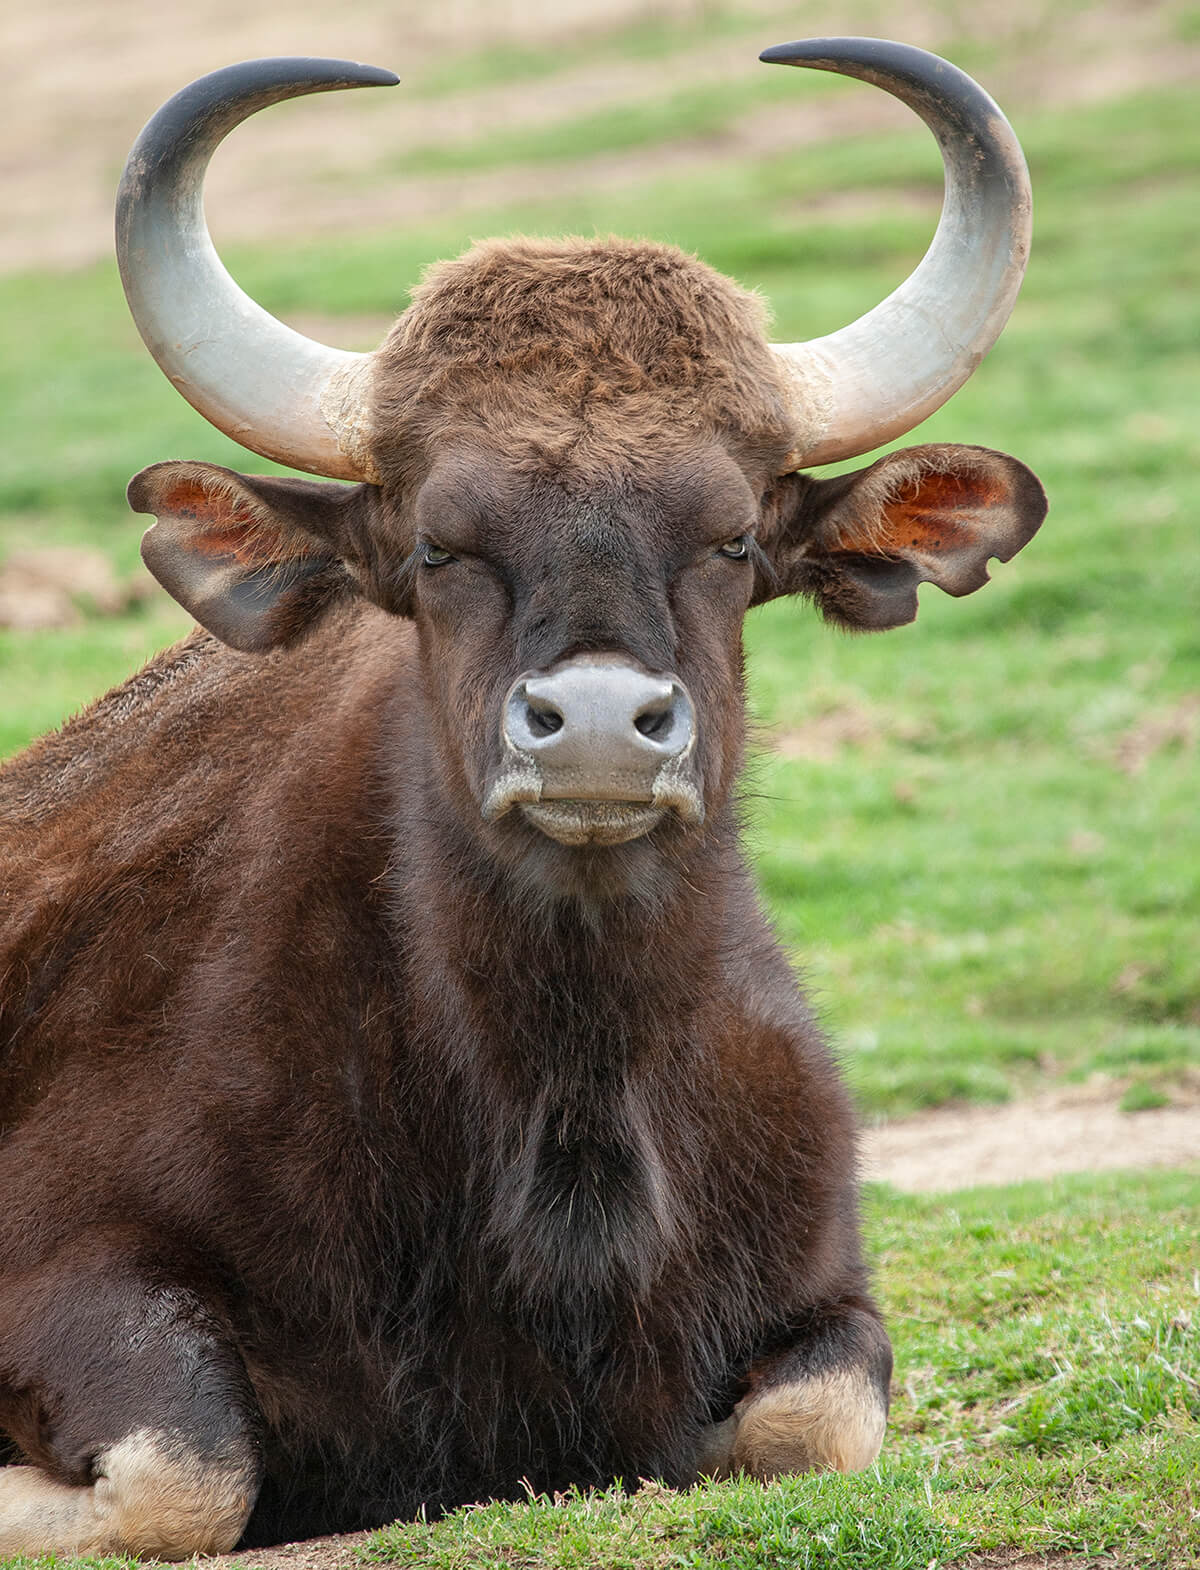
<point x="578" y="467"/>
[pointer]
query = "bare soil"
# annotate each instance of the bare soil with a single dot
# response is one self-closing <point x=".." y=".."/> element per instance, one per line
<point x="1077" y="1130"/>
<point x="56" y="586"/>
<point x="320" y="1553"/>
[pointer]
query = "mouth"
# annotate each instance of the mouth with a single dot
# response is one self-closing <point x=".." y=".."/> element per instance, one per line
<point x="592" y="822"/>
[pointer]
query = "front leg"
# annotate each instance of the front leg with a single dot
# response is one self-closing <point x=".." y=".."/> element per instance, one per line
<point x="122" y="1389"/>
<point x="818" y="1404"/>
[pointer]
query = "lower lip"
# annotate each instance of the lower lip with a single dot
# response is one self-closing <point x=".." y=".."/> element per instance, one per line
<point x="591" y="822"/>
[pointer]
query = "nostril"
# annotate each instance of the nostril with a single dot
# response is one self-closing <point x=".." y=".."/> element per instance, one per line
<point x="655" y="724"/>
<point x="543" y="720"/>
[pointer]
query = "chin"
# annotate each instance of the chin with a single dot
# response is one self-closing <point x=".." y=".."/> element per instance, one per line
<point x="593" y="854"/>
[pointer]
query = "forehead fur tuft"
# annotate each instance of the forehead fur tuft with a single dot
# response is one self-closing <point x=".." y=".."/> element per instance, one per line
<point x="589" y="345"/>
<point x="633" y="300"/>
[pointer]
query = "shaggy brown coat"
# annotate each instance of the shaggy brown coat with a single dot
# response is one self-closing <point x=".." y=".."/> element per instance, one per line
<point x="365" y="1154"/>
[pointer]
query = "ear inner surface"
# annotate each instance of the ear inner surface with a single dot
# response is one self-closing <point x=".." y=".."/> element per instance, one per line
<point x="946" y="522"/>
<point x="252" y="577"/>
<point x="933" y="514"/>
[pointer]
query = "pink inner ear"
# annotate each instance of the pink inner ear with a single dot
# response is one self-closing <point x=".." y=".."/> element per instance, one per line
<point x="942" y="511"/>
<point x="224" y="525"/>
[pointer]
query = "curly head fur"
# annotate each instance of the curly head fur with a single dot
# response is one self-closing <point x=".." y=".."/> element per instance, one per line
<point x="578" y="352"/>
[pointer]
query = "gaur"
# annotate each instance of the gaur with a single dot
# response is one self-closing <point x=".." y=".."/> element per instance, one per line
<point x="402" y="1094"/>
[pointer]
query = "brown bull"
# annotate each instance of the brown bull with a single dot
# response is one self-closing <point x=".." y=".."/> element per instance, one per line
<point x="402" y="1094"/>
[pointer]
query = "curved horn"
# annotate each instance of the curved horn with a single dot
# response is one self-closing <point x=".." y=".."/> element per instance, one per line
<point x="271" y="389"/>
<point x="886" y="372"/>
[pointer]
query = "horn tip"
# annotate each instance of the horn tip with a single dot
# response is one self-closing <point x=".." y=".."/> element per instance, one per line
<point x="349" y="73"/>
<point x="859" y="50"/>
<point x="798" y="53"/>
<point x="376" y="76"/>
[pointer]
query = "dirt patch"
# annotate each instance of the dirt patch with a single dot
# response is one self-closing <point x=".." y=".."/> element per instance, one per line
<point x="1177" y="725"/>
<point x="1014" y="1559"/>
<point x="822" y="738"/>
<point x="1080" y="1130"/>
<point x="58" y="585"/>
<point x="320" y="1553"/>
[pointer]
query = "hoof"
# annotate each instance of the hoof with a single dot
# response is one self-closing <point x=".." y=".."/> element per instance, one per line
<point x="833" y="1423"/>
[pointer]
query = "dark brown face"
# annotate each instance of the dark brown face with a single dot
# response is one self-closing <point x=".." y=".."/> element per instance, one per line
<point x="580" y="628"/>
<point x="581" y="645"/>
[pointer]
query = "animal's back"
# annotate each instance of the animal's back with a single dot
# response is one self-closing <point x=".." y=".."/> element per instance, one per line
<point x="181" y="808"/>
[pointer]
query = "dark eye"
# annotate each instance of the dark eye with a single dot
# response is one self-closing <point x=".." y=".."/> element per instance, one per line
<point x="435" y="556"/>
<point x="735" y="550"/>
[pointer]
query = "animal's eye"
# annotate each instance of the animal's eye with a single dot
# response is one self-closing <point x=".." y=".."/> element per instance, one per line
<point x="435" y="556"/>
<point x="736" y="550"/>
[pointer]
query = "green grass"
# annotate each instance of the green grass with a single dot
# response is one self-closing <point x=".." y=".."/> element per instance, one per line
<point x="676" y="114"/>
<point x="1047" y="1399"/>
<point x="649" y="37"/>
<point x="667" y="39"/>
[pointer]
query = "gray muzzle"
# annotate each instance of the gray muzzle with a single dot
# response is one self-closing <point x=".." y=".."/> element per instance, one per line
<point x="611" y="744"/>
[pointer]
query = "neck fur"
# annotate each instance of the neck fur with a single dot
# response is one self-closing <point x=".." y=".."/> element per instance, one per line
<point x="573" y="1046"/>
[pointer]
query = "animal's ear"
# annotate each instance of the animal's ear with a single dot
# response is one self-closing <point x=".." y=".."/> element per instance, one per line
<point x="859" y="544"/>
<point x="255" y="559"/>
